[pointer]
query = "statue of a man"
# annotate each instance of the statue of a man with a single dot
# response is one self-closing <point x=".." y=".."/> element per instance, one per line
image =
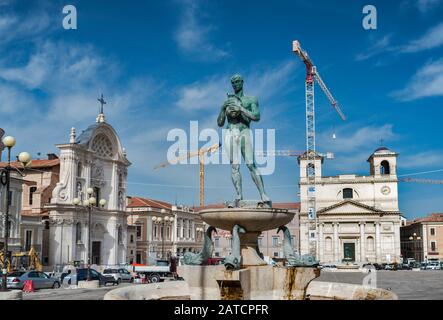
<point x="240" y="110"/>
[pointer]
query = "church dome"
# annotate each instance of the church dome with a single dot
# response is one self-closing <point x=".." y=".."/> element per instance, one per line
<point x="382" y="150"/>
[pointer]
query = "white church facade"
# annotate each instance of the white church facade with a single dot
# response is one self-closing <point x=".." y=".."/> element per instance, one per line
<point x="357" y="217"/>
<point x="93" y="160"/>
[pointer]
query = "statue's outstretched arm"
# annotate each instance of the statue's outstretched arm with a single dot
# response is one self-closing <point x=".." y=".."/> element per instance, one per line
<point x="254" y="114"/>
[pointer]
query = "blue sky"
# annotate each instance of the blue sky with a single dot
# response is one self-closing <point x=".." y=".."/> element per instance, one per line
<point x="162" y="64"/>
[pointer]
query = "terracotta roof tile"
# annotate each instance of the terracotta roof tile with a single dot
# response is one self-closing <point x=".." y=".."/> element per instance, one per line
<point x="135" y="202"/>
<point x="34" y="164"/>
<point x="433" y="217"/>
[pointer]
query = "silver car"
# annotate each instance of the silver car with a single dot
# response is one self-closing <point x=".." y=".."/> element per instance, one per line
<point x="120" y="275"/>
<point x="41" y="280"/>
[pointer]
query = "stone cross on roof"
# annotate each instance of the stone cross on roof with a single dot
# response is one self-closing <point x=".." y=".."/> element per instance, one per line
<point x="101" y="115"/>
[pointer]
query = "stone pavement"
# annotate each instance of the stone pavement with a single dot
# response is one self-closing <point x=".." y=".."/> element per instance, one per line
<point x="71" y="294"/>
<point x="408" y="285"/>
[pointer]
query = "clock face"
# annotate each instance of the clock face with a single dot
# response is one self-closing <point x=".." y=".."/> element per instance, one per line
<point x="385" y="190"/>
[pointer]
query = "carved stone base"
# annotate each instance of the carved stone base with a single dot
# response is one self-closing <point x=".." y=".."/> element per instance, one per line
<point x="249" y="249"/>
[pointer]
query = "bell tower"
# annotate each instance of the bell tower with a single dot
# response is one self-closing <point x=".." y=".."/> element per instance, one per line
<point x="383" y="162"/>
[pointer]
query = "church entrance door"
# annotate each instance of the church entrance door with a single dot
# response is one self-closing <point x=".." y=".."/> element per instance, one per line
<point x="96" y="248"/>
<point x="349" y="252"/>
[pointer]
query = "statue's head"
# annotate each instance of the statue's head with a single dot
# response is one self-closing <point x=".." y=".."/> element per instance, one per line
<point x="237" y="82"/>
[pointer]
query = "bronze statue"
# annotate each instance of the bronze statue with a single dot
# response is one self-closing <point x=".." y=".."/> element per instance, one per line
<point x="240" y="110"/>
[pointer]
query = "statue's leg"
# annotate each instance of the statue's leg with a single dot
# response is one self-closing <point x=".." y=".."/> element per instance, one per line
<point x="232" y="147"/>
<point x="236" y="180"/>
<point x="248" y="155"/>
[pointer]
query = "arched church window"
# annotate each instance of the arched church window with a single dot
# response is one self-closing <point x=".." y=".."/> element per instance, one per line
<point x="120" y="180"/>
<point x="370" y="243"/>
<point x="310" y="169"/>
<point x="79" y="169"/>
<point x="348" y="193"/>
<point x="78" y="232"/>
<point x="102" y="146"/>
<point x="384" y="167"/>
<point x="79" y="191"/>
<point x="120" y="235"/>
<point x="328" y="244"/>
<point x="120" y="200"/>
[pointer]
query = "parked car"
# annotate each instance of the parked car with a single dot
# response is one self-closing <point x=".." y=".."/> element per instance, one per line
<point x="433" y="266"/>
<point x="328" y="266"/>
<point x="391" y="266"/>
<point x="215" y="261"/>
<point x="119" y="275"/>
<point x="405" y="266"/>
<point x="81" y="274"/>
<point x="16" y="280"/>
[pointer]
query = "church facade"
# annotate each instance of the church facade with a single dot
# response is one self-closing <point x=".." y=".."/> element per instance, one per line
<point x="357" y="217"/>
<point x="93" y="160"/>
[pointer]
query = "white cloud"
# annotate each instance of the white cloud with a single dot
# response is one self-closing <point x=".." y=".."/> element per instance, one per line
<point x="14" y="100"/>
<point x="351" y="139"/>
<point x="431" y="39"/>
<point x="426" y="5"/>
<point x="20" y="27"/>
<point x="209" y="94"/>
<point x="427" y="82"/>
<point x="378" y="47"/>
<point x="193" y="36"/>
<point x="426" y="159"/>
<point x="55" y="66"/>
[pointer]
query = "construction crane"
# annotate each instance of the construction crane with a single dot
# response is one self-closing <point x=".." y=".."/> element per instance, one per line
<point x="201" y="159"/>
<point x="431" y="181"/>
<point x="312" y="76"/>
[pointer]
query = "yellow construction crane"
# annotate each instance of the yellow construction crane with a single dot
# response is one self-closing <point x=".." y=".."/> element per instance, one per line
<point x="200" y="154"/>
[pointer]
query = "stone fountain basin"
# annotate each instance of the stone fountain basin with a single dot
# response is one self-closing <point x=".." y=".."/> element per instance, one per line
<point x="252" y="219"/>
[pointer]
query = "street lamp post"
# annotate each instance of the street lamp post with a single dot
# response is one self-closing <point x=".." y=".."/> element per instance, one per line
<point x="89" y="204"/>
<point x="5" y="179"/>
<point x="162" y="222"/>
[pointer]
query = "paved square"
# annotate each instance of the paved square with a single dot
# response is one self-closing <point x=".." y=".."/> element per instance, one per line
<point x="408" y="285"/>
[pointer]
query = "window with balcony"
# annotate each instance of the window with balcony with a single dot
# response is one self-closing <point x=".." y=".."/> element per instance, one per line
<point x="260" y="241"/>
<point x="28" y="240"/>
<point x="139" y="231"/>
<point x="433" y="246"/>
<point x="32" y="190"/>
<point x="275" y="241"/>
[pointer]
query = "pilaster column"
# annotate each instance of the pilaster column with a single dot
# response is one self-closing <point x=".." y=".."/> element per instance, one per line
<point x="377" y="243"/>
<point x="362" y="242"/>
<point x="320" y="245"/>
<point x="336" y="243"/>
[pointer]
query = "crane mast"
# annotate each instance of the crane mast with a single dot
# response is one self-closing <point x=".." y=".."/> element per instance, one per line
<point x="311" y="76"/>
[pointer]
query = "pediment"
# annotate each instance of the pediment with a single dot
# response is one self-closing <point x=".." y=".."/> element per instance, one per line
<point x="349" y="206"/>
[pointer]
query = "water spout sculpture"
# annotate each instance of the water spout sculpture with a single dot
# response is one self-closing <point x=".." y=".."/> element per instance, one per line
<point x="294" y="259"/>
<point x="233" y="261"/>
<point x="190" y="258"/>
